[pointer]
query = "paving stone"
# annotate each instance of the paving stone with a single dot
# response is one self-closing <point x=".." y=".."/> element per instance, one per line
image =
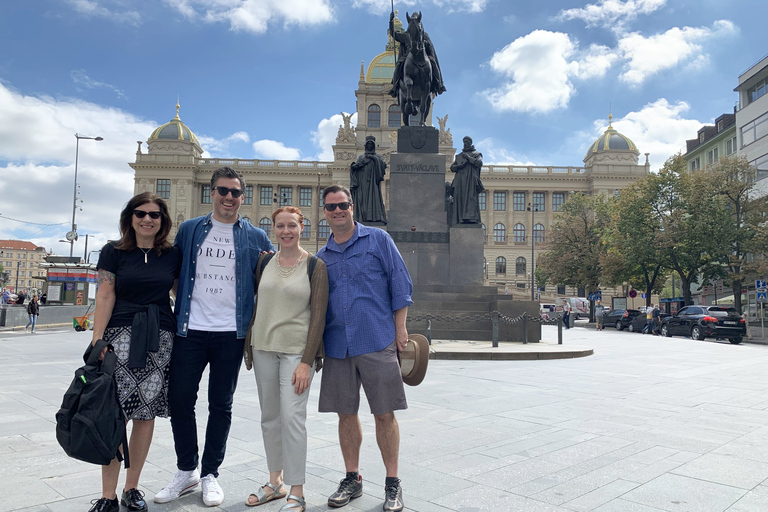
<point x="644" y="425"/>
<point x="673" y="492"/>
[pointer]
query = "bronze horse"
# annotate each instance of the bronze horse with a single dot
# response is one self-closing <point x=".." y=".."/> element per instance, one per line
<point x="414" y="96"/>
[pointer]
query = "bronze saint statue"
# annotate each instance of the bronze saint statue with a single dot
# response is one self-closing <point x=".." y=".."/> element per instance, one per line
<point x="365" y="177"/>
<point x="466" y="186"/>
<point x="417" y="77"/>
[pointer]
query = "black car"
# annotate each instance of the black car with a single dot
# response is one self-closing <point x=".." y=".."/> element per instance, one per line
<point x="638" y="323"/>
<point x="620" y="318"/>
<point x="701" y="322"/>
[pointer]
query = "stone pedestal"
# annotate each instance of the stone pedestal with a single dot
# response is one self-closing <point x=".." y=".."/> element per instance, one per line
<point x="417" y="220"/>
<point x="466" y="250"/>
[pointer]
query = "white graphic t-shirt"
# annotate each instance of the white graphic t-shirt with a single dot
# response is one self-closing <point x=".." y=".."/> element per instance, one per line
<point x="213" y="303"/>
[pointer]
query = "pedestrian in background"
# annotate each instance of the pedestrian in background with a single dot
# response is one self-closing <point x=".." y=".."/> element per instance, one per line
<point x="567" y="315"/>
<point x="599" y="315"/>
<point x="656" y="320"/>
<point x="33" y="310"/>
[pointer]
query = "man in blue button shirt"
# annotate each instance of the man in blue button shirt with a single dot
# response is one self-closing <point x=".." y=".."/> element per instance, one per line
<point x="369" y="294"/>
<point x="214" y="305"/>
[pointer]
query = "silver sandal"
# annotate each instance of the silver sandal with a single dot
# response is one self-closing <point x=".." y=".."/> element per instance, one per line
<point x="278" y="492"/>
<point x="299" y="506"/>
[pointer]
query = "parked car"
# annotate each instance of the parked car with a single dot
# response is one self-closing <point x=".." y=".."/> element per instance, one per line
<point x="700" y="322"/>
<point x="547" y="309"/>
<point x="579" y="306"/>
<point x="638" y="323"/>
<point x="620" y="318"/>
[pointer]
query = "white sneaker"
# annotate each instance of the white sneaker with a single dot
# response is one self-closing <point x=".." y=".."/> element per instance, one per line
<point x="212" y="493"/>
<point x="183" y="483"/>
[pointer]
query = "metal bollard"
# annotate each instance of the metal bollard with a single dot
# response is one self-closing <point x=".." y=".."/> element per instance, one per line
<point x="560" y="330"/>
<point x="495" y="323"/>
<point x="429" y="331"/>
<point x="525" y="329"/>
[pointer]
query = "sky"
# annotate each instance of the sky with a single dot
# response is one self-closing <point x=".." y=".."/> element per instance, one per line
<point x="531" y="82"/>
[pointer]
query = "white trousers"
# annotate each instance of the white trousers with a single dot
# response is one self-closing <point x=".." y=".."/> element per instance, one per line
<point x="283" y="414"/>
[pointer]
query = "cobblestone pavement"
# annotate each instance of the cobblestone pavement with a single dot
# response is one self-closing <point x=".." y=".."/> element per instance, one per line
<point x="645" y="424"/>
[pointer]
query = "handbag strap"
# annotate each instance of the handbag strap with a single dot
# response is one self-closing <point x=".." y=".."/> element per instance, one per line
<point x="93" y="351"/>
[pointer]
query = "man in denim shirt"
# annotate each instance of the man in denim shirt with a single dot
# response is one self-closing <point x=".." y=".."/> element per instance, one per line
<point x="214" y="305"/>
<point x="369" y="294"/>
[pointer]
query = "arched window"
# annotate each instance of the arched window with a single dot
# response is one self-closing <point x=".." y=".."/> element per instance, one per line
<point x="307" y="228"/>
<point x="518" y="232"/>
<point x="520" y="265"/>
<point x="538" y="233"/>
<point x="374" y="116"/>
<point x="485" y="235"/>
<point x="247" y="219"/>
<point x="266" y="225"/>
<point x="323" y="231"/>
<point x="499" y="233"/>
<point x="501" y="265"/>
<point x="394" y="117"/>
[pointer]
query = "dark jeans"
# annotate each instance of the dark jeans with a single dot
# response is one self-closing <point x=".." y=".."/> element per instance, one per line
<point x="224" y="353"/>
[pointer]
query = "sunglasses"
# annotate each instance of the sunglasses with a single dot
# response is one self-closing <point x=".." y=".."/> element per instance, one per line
<point x="332" y="206"/>
<point x="140" y="214"/>
<point x="223" y="191"/>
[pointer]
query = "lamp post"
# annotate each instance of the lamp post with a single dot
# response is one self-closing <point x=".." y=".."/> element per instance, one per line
<point x="532" y="208"/>
<point x="72" y="235"/>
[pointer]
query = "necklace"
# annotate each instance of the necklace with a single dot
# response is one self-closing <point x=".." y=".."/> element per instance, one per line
<point x="145" y="253"/>
<point x="286" y="272"/>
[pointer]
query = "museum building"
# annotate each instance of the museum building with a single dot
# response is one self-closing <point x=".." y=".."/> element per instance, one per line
<point x="518" y="207"/>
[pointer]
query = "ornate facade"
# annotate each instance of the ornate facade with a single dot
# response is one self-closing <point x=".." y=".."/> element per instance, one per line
<point x="173" y="166"/>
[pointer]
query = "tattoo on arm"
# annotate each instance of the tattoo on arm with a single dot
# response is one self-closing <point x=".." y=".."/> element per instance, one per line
<point x="106" y="277"/>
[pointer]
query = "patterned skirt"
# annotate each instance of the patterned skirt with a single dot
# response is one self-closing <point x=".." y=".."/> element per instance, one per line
<point x="142" y="392"/>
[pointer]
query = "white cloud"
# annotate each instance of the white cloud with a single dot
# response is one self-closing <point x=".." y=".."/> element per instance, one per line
<point x="647" y="56"/>
<point x="495" y="154"/>
<point x="81" y="79"/>
<point x="93" y="9"/>
<point x="325" y="136"/>
<point x="267" y="149"/>
<point x="659" y="128"/>
<point x="385" y="6"/>
<point x="541" y="65"/>
<point x="611" y="13"/>
<point x="37" y="159"/>
<point x="221" y="147"/>
<point x="256" y="15"/>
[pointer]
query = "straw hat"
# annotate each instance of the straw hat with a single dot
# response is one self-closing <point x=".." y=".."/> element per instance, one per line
<point x="414" y="359"/>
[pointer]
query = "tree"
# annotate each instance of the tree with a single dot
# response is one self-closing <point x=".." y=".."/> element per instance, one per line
<point x="734" y="180"/>
<point x="632" y="238"/>
<point x="693" y="223"/>
<point x="577" y="243"/>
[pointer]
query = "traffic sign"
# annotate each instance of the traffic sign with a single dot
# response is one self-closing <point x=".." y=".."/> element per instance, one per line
<point x="642" y="295"/>
<point x="632" y="293"/>
<point x="762" y="296"/>
<point x="760" y="284"/>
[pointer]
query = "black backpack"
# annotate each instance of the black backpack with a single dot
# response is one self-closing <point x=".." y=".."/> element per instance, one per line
<point x="90" y="425"/>
<point x="311" y="262"/>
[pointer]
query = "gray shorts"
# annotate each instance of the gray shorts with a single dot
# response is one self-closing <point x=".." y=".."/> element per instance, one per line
<point x="378" y="372"/>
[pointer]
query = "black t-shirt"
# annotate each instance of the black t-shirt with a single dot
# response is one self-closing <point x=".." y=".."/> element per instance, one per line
<point x="142" y="283"/>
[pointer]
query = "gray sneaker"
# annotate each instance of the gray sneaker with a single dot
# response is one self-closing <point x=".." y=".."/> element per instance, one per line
<point x="349" y="488"/>
<point x="393" y="496"/>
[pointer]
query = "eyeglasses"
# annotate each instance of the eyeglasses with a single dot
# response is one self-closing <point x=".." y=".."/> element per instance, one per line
<point x="140" y="214"/>
<point x="223" y="191"/>
<point x="332" y="206"/>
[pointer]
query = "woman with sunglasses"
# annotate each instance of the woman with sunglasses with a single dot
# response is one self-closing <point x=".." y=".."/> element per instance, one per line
<point x="133" y="313"/>
<point x="284" y="343"/>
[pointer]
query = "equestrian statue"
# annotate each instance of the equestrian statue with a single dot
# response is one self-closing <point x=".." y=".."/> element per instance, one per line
<point x="417" y="78"/>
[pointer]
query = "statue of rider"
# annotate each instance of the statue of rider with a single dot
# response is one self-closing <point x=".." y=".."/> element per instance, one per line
<point x="437" y="86"/>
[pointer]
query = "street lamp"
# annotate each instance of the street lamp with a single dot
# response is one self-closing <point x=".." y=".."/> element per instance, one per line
<point x="72" y="235"/>
<point x="532" y="208"/>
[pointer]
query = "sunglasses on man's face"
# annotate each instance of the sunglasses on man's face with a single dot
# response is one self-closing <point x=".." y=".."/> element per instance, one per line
<point x="223" y="191"/>
<point x="140" y="214"/>
<point x="332" y="206"/>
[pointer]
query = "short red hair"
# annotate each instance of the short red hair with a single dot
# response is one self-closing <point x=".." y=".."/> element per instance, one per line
<point x="288" y="209"/>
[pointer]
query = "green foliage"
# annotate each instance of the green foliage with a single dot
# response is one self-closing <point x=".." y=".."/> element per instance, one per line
<point x="578" y="243"/>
